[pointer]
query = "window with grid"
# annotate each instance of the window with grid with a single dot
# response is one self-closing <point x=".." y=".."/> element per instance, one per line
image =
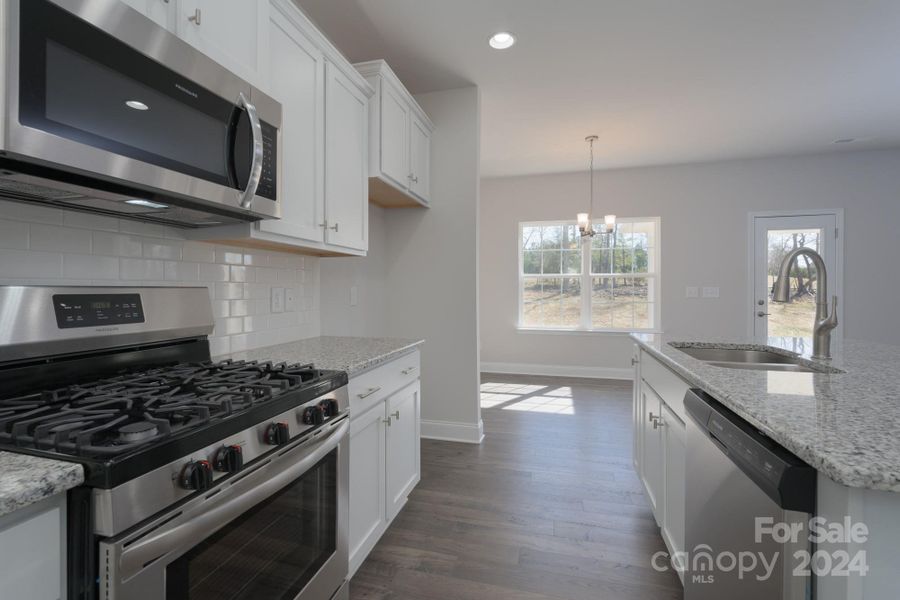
<point x="608" y="282"/>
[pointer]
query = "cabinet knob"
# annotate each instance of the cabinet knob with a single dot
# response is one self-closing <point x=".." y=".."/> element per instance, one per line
<point x="195" y="18"/>
<point x="762" y="313"/>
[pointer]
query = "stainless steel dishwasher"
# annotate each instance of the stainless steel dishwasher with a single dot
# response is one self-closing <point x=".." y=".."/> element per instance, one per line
<point x="748" y="503"/>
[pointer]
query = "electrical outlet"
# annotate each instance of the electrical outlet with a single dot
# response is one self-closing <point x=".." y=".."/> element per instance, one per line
<point x="692" y="291"/>
<point x="354" y="295"/>
<point x="277" y="299"/>
<point x="290" y="300"/>
<point x="711" y="291"/>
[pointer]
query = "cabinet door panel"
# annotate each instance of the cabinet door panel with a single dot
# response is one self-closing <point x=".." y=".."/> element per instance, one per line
<point x="651" y="454"/>
<point x="420" y="159"/>
<point x="394" y="136"/>
<point x="160" y="11"/>
<point x="296" y="75"/>
<point x="346" y="151"/>
<point x="231" y="32"/>
<point x="675" y="475"/>
<point x="367" y="476"/>
<point x="402" y="447"/>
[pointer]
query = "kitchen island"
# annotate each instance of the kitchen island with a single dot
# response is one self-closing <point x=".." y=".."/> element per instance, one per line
<point x="842" y="422"/>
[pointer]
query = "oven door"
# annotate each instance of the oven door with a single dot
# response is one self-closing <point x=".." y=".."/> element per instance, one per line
<point x="278" y="531"/>
<point x="97" y="89"/>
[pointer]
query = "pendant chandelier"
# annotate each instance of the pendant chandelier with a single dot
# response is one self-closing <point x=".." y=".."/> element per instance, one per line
<point x="584" y="219"/>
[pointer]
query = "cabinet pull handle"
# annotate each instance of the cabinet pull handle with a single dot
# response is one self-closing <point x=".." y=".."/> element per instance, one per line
<point x="396" y="415"/>
<point x="334" y="227"/>
<point x="194" y="18"/>
<point x="653" y="417"/>
<point x="408" y="371"/>
<point x="324" y="224"/>
<point x="634" y="361"/>
<point x="658" y="422"/>
<point x="413" y="178"/>
<point x="368" y="392"/>
<point x="387" y="421"/>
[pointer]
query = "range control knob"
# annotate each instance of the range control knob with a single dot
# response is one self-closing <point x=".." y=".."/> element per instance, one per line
<point x="196" y="475"/>
<point x="330" y="407"/>
<point x="229" y="459"/>
<point x="278" y="434"/>
<point x="314" y="415"/>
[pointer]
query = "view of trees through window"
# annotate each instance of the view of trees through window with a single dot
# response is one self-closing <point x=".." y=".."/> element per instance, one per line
<point x="618" y="269"/>
<point x="796" y="318"/>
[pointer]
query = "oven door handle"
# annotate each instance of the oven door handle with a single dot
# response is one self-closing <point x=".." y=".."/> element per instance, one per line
<point x="167" y="539"/>
<point x="256" y="164"/>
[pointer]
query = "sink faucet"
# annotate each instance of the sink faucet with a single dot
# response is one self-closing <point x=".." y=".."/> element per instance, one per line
<point x="824" y="322"/>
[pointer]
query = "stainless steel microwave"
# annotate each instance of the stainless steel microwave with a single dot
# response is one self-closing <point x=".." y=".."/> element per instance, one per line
<point x="103" y="110"/>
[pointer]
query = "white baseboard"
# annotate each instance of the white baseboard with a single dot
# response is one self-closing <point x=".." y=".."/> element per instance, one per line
<point x="557" y="370"/>
<point x="449" y="431"/>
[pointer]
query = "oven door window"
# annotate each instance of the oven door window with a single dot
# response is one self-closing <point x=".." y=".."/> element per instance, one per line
<point x="272" y="551"/>
<point x="82" y="84"/>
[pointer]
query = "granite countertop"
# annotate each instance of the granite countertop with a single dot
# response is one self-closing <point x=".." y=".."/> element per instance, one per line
<point x="26" y="479"/>
<point x="351" y="354"/>
<point x="843" y="424"/>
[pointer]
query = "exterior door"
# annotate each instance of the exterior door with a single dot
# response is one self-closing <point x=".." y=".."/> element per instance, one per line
<point x="773" y="238"/>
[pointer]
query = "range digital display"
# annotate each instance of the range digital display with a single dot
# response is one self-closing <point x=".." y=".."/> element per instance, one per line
<point x="93" y="310"/>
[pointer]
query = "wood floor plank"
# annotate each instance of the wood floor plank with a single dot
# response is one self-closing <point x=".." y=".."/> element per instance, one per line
<point x="547" y="508"/>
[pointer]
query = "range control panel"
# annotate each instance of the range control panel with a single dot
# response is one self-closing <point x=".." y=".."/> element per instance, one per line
<point x="93" y="310"/>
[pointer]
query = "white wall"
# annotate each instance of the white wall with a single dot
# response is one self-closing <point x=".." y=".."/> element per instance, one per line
<point x="47" y="246"/>
<point x="704" y="210"/>
<point x="425" y="263"/>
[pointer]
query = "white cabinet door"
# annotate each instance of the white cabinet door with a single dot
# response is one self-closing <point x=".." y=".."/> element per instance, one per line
<point x="402" y="447"/>
<point x="231" y="32"/>
<point x="33" y="551"/>
<point x="675" y="474"/>
<point x="636" y="412"/>
<point x="161" y="11"/>
<point x="394" y="136"/>
<point x="367" y="490"/>
<point x="296" y="73"/>
<point x="346" y="176"/>
<point x="651" y="450"/>
<point x="420" y="159"/>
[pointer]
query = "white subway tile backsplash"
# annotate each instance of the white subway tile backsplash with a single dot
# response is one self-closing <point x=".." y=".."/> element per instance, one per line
<point x="82" y="266"/>
<point x="46" y="246"/>
<point x="31" y="265"/>
<point x="50" y="238"/>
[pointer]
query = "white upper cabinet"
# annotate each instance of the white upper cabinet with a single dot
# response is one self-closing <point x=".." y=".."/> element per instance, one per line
<point x="346" y="181"/>
<point x="161" y="11"/>
<point x="399" y="141"/>
<point x="296" y="74"/>
<point x="231" y="32"/>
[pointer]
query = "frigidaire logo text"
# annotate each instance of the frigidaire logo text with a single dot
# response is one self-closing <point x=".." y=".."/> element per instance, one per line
<point x="105" y="329"/>
<point x="185" y="90"/>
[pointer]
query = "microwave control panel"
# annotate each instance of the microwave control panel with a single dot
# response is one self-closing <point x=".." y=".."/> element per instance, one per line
<point x="96" y="310"/>
<point x="267" y="182"/>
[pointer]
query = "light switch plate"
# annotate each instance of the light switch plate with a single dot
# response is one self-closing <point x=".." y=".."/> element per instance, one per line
<point x="710" y="291"/>
<point x="290" y="300"/>
<point x="692" y="291"/>
<point x="277" y="299"/>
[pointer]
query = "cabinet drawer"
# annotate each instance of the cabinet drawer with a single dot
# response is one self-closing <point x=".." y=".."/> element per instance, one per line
<point x="670" y="387"/>
<point x="373" y="386"/>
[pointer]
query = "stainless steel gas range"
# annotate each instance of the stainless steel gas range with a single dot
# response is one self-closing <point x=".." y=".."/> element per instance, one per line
<point x="203" y="480"/>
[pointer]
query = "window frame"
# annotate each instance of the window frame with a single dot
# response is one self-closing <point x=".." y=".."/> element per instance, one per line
<point x="586" y="280"/>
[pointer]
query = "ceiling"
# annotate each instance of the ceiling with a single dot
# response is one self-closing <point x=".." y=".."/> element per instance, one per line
<point x="660" y="82"/>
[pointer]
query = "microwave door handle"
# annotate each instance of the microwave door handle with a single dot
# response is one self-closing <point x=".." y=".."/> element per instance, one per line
<point x="246" y="199"/>
<point x="189" y="533"/>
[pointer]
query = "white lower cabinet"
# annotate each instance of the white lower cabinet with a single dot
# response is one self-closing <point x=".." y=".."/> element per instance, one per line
<point x="33" y="551"/>
<point x="384" y="450"/>
<point x="659" y="432"/>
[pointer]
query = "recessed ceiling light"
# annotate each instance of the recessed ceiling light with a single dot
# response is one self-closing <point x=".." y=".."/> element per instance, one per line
<point x="844" y="141"/>
<point x="136" y="105"/>
<point x="502" y="40"/>
<point x="146" y="203"/>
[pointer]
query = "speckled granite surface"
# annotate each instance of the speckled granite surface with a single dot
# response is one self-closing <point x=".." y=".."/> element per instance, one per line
<point x="351" y="354"/>
<point x="846" y="425"/>
<point x="28" y="479"/>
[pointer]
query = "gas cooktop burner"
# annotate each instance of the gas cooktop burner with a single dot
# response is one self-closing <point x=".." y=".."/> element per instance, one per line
<point x="111" y="416"/>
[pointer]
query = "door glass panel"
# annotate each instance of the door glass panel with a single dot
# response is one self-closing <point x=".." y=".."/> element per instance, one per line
<point x="793" y="319"/>
<point x="272" y="551"/>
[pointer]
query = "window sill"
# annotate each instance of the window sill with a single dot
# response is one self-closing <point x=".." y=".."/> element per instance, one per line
<point x="549" y="331"/>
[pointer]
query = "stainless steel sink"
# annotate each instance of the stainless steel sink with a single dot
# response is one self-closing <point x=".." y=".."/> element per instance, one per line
<point x="755" y="360"/>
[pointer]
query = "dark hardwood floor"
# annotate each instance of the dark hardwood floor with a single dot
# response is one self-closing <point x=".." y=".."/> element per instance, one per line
<point x="547" y="508"/>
